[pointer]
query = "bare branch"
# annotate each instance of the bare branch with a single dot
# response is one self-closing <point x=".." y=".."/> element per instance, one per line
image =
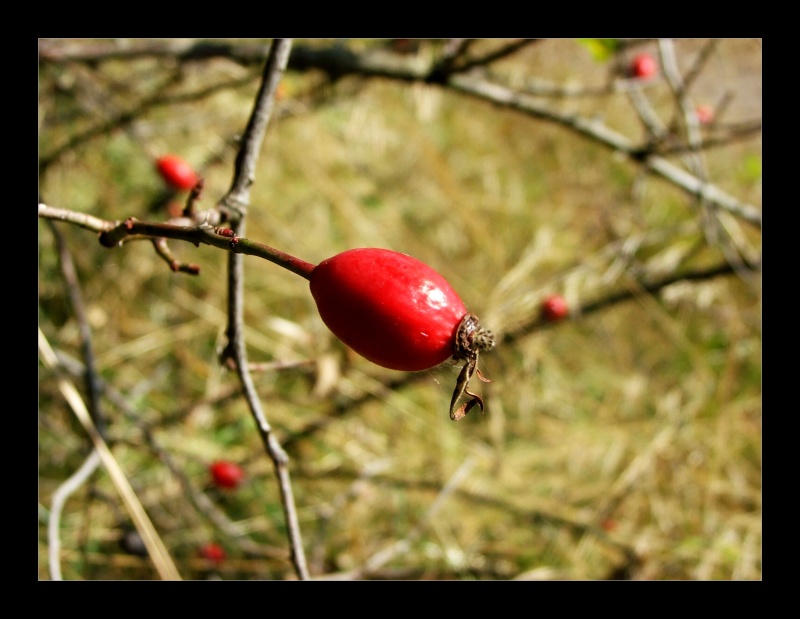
<point x="250" y="148"/>
<point x="598" y="132"/>
<point x="457" y="47"/>
<point x="90" y="377"/>
<point x="732" y="133"/>
<point x="126" y="117"/>
<point x="338" y="61"/>
<point x="699" y="63"/>
<point x="498" y="54"/>
<point x="237" y="200"/>
<point x="639" y="287"/>
<point x="115" y="233"/>
<point x="60" y="496"/>
<point x="182" y="49"/>
<point x="155" y="546"/>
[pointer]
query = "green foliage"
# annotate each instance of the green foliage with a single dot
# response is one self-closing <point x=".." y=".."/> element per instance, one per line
<point x="751" y="169"/>
<point x="600" y="49"/>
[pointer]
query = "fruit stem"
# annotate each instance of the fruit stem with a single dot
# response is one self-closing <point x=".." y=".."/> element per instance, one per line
<point x="224" y="238"/>
<point x="276" y="256"/>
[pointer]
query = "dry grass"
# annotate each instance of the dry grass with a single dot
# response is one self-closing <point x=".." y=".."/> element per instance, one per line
<point x="625" y="443"/>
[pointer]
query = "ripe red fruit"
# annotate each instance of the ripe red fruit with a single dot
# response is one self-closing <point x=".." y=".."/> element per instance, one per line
<point x="389" y="307"/>
<point x="643" y="66"/>
<point x="226" y="474"/>
<point x="213" y="552"/>
<point x="555" y="308"/>
<point x="176" y="172"/>
<point x="399" y="313"/>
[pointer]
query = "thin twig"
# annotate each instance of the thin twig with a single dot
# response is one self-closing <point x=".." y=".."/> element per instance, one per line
<point x="126" y="117"/>
<point x="90" y="378"/>
<point x="114" y="233"/>
<point x="453" y="49"/>
<point x="206" y="506"/>
<point x="60" y="496"/>
<point x="740" y="131"/>
<point x="699" y="63"/>
<point x="338" y="62"/>
<point x="237" y="200"/>
<point x="103" y="128"/>
<point x="501" y="52"/>
<point x="182" y="49"/>
<point x="199" y="499"/>
<point x="596" y="131"/>
<point x="714" y="227"/>
<point x="641" y="286"/>
<point x="155" y="546"/>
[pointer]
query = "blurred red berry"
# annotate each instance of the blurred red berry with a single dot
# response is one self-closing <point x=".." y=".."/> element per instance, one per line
<point x="394" y="310"/>
<point x="213" y="552"/>
<point x="226" y="474"/>
<point x="643" y="66"/>
<point x="555" y="308"/>
<point x="176" y="172"/>
<point x="704" y="113"/>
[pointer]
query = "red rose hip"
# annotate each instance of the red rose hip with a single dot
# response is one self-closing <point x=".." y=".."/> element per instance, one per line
<point x="226" y="474"/>
<point x="704" y="114"/>
<point x="643" y="66"/>
<point x="213" y="552"/>
<point x="555" y="308"/>
<point x="399" y="313"/>
<point x="176" y="172"/>
<point x="389" y="307"/>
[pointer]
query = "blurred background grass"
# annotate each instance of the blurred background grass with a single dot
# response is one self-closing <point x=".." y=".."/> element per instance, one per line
<point x="625" y="443"/>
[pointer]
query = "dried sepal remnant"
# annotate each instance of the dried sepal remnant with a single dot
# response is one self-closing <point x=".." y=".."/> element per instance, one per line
<point x="471" y="340"/>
